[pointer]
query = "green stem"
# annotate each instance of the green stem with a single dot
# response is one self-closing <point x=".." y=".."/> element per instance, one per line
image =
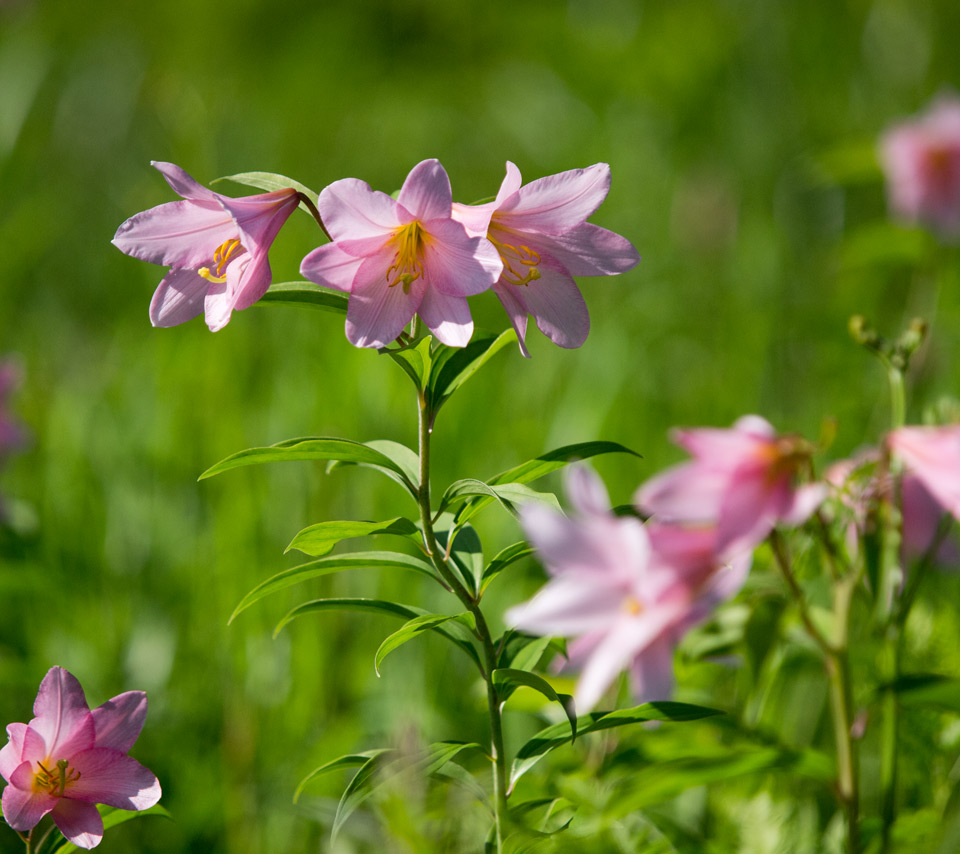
<point x="890" y="671"/>
<point x="310" y="206"/>
<point x="898" y="396"/>
<point x="471" y="603"/>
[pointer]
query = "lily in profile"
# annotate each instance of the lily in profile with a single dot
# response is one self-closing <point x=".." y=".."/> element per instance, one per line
<point x="69" y="758"/>
<point x="742" y="479"/>
<point x="216" y="246"/>
<point x="541" y="232"/>
<point x="398" y="258"/>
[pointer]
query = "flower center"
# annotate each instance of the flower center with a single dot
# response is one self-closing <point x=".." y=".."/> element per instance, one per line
<point x="54" y="780"/>
<point x="407" y="265"/>
<point x="519" y="262"/>
<point x="633" y="606"/>
<point x="221" y="257"/>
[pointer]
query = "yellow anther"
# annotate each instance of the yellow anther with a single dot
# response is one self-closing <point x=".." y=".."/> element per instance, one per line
<point x="221" y="257"/>
<point x="407" y="266"/>
<point x="55" y="782"/>
<point x="633" y="606"/>
<point x="515" y="259"/>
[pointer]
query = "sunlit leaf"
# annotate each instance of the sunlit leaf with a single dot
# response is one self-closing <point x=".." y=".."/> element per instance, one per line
<point x="268" y="181"/>
<point x="551" y="461"/>
<point x="529" y="655"/>
<point x="453" y="366"/>
<point x="466" y="555"/>
<point x="502" y="560"/>
<point x="508" y="679"/>
<point x="415" y="360"/>
<point x="406" y="463"/>
<point x="323" y="448"/>
<point x="111" y="818"/>
<point x="375" y="773"/>
<point x="319" y="539"/>
<point x="305" y="293"/>
<point x="381" y="606"/>
<point x="415" y="627"/>
<point x="328" y="565"/>
<point x="509" y="495"/>
<point x="554" y="736"/>
<point x="349" y="760"/>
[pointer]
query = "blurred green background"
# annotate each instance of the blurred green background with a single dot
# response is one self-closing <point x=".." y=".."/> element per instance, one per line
<point x="740" y="135"/>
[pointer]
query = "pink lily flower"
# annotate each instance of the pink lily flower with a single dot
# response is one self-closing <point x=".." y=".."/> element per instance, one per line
<point x="544" y="240"/>
<point x="932" y="455"/>
<point x="69" y="758"/>
<point x="921" y="159"/>
<point x="625" y="591"/>
<point x="398" y="258"/>
<point x="857" y="486"/>
<point x="741" y="479"/>
<point x="216" y="246"/>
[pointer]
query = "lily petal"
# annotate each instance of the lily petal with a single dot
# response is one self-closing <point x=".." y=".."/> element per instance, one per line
<point x="557" y="305"/>
<point x="330" y="266"/>
<point x="589" y="250"/>
<point x="178" y="298"/>
<point x="377" y="313"/>
<point x="23" y="808"/>
<point x="556" y="203"/>
<point x="113" y="778"/>
<point x="118" y="722"/>
<point x="80" y="822"/>
<point x="457" y="264"/>
<point x="60" y="708"/>
<point x="447" y="317"/>
<point x="351" y="209"/>
<point x="182" y="184"/>
<point x="176" y="234"/>
<point x="426" y="191"/>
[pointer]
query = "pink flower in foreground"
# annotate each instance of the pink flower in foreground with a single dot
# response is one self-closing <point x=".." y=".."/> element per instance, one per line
<point x="216" y="245"/>
<point x="741" y="479"/>
<point x="544" y="240"/>
<point x="625" y="591"/>
<point x="69" y="758"/>
<point x="921" y="159"/>
<point x="398" y="258"/>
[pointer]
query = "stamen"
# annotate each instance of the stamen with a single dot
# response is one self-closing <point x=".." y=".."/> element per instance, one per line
<point x="633" y="606"/>
<point x="408" y="263"/>
<point x="521" y="256"/>
<point x="221" y="257"/>
<point x="55" y="782"/>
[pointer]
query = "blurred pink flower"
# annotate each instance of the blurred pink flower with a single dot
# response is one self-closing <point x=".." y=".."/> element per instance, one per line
<point x="921" y="159"/>
<point x="398" y="258"/>
<point x="69" y="758"/>
<point x="625" y="591"/>
<point x="544" y="240"/>
<point x="741" y="479"/>
<point x="932" y="455"/>
<point x="856" y="484"/>
<point x="216" y="245"/>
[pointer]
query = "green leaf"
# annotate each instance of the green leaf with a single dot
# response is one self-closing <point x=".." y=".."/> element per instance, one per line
<point x="503" y="559"/>
<point x="453" y="366"/>
<point x="466" y="555"/>
<point x="405" y="461"/>
<point x="111" y="818"/>
<point x="415" y="360"/>
<point x="511" y="678"/>
<point x="268" y="181"/>
<point x="926" y="689"/>
<point x="554" y="736"/>
<point x="328" y="565"/>
<point x="550" y="461"/>
<point x="530" y="654"/>
<point x="323" y="448"/>
<point x="415" y="627"/>
<point x="382" y="606"/>
<point x="305" y="293"/>
<point x="375" y="773"/>
<point x="319" y="539"/>
<point x="349" y="760"/>
<point x="509" y="495"/>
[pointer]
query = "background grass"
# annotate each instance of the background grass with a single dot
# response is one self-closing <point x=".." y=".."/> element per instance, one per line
<point x="740" y="135"/>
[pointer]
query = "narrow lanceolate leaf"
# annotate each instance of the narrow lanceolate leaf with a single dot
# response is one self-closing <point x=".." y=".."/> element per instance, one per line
<point x="551" y="461"/>
<point x="503" y="559"/>
<point x="530" y="654"/>
<point x="554" y="736"/>
<point x="466" y="553"/>
<point x="376" y="773"/>
<point x="319" y="539"/>
<point x="454" y="366"/>
<point x="305" y="293"/>
<point x="508" y="679"/>
<point x="415" y="627"/>
<point x="328" y="565"/>
<point x="381" y="606"/>
<point x="509" y="495"/>
<point x="111" y="818"/>
<point x="415" y="360"/>
<point x="349" y="760"/>
<point x="405" y="461"/>
<point x="268" y="181"/>
<point x="319" y="448"/>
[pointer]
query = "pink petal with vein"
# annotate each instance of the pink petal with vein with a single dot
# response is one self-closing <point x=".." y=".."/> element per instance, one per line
<point x="331" y="267"/>
<point x="351" y="209"/>
<point x="589" y="250"/>
<point x="457" y="264"/>
<point x="113" y="778"/>
<point x="23" y="808"/>
<point x="556" y="203"/>
<point x="556" y="304"/>
<point x="377" y="313"/>
<point x="60" y="708"/>
<point x="447" y="317"/>
<point x="178" y="298"/>
<point x="176" y="234"/>
<point x="426" y="191"/>
<point x="182" y="184"/>
<point x="118" y="721"/>
<point x="79" y="822"/>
